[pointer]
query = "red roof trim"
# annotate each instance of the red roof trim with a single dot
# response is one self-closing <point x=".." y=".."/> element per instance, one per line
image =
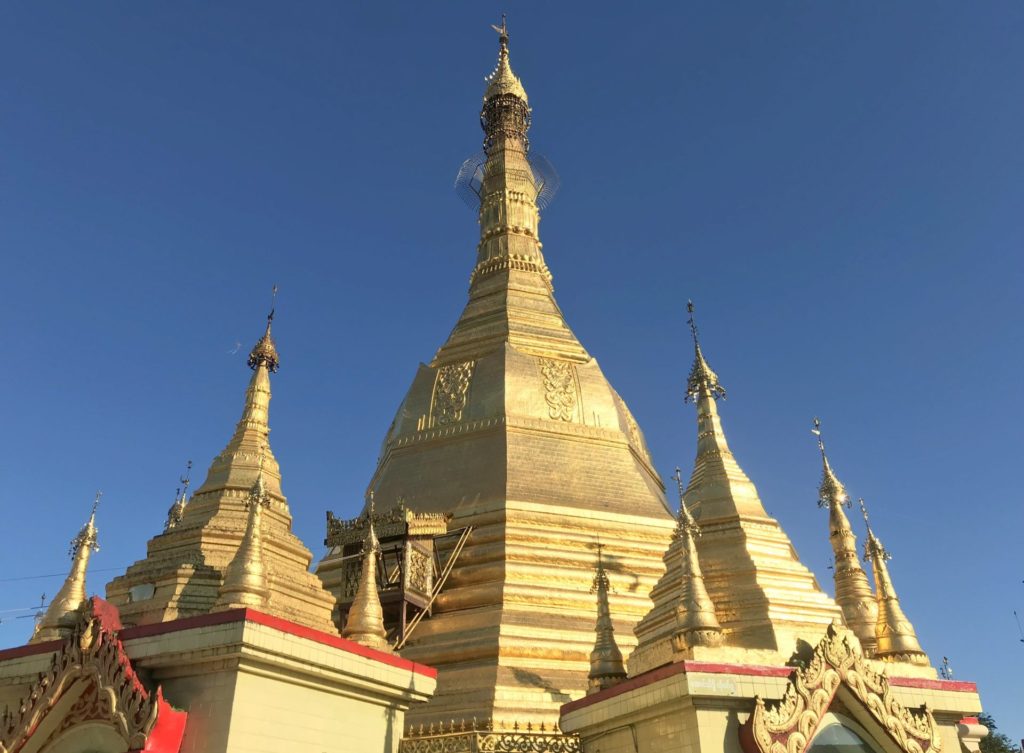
<point x="747" y="670"/>
<point x="955" y="686"/>
<point x="277" y="623"/>
<point x="30" y="649"/>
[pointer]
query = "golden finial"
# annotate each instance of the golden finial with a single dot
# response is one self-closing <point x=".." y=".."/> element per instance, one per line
<point x="264" y="353"/>
<point x="702" y="378"/>
<point x="506" y="111"/>
<point x="696" y="621"/>
<point x="502" y="31"/>
<point x="831" y="491"/>
<point x="606" y="667"/>
<point x="895" y="637"/>
<point x="87" y="536"/>
<point x="684" y="520"/>
<point x="177" y="511"/>
<point x="872" y="546"/>
<point x="60" y="616"/>
<point x="365" y="622"/>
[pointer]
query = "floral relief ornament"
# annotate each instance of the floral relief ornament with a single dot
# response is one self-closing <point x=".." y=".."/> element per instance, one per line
<point x="789" y="724"/>
<point x="451" y="391"/>
<point x="559" y="388"/>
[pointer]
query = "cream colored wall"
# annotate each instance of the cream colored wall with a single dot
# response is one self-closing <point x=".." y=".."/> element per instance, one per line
<point x="271" y="715"/>
<point x="208" y="698"/>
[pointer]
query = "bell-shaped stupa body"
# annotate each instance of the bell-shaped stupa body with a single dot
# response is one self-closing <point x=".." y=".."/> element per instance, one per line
<point x="513" y="429"/>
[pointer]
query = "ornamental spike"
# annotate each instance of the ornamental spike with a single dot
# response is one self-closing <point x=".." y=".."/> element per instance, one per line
<point x="895" y="636"/>
<point x="696" y="621"/>
<point x="365" y="623"/>
<point x="606" y="667"/>
<point x="702" y="380"/>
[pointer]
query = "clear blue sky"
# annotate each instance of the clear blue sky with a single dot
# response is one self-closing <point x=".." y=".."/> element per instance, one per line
<point x="837" y="184"/>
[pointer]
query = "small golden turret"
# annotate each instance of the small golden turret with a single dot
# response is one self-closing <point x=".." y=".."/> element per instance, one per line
<point x="853" y="592"/>
<point x="177" y="510"/>
<point x="696" y="622"/>
<point x="245" y="579"/>
<point x="365" y="623"/>
<point x="606" y="667"/>
<point x="61" y="616"/>
<point x="895" y="636"/>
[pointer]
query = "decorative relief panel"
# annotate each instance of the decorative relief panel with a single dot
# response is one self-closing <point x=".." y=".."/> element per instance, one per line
<point x="420" y="569"/>
<point x="788" y="725"/>
<point x="92" y="656"/>
<point x="559" y="388"/>
<point x="350" y="578"/>
<point x="450" y="392"/>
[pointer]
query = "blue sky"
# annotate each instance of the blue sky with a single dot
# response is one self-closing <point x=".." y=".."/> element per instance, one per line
<point x="836" y="184"/>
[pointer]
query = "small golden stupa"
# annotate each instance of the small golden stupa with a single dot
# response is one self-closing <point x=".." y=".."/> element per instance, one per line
<point x="194" y="566"/>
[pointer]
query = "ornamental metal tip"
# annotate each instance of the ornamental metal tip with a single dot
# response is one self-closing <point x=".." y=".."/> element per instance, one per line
<point x="692" y="323"/>
<point x="186" y="479"/>
<point x="258" y="494"/>
<point x="702" y="377"/>
<point x="816" y="431"/>
<point x="678" y="477"/>
<point x="600" y="575"/>
<point x="87" y="537"/>
<point x="264" y="353"/>
<point x="684" y="520"/>
<point x="502" y="30"/>
<point x="872" y="546"/>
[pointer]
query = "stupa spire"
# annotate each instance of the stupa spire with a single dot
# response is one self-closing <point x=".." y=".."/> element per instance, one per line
<point x="696" y="622"/>
<point x="60" y="615"/>
<point x="853" y="592"/>
<point x="365" y="623"/>
<point x="606" y="667"/>
<point x="234" y="467"/>
<point x="177" y="510"/>
<point x="245" y="579"/>
<point x="895" y="636"/>
<point x="718" y="486"/>
<point x="510" y="287"/>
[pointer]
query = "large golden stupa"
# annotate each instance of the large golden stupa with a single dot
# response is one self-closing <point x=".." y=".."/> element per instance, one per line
<point x="514" y="430"/>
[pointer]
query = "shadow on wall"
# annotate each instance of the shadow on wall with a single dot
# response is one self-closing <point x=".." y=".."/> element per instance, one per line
<point x="613" y="564"/>
<point x="534" y="680"/>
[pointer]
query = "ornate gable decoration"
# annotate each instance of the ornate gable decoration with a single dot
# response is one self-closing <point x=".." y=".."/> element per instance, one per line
<point x="92" y="656"/>
<point x="788" y="725"/>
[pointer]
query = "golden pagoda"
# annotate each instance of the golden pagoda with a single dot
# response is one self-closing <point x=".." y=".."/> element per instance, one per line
<point x="765" y="600"/>
<point x="187" y="565"/>
<point x="62" y="613"/>
<point x="514" y="430"/>
<point x="853" y="593"/>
